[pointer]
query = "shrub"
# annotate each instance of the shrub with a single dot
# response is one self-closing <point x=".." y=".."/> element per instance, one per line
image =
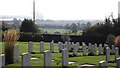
<point x="29" y="26"/>
<point x="66" y="37"/>
<point x="110" y="40"/>
<point x="10" y="39"/>
<point x="38" y="37"/>
<point x="25" y="37"/>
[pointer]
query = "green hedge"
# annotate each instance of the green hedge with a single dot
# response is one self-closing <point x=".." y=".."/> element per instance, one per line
<point x="26" y="37"/>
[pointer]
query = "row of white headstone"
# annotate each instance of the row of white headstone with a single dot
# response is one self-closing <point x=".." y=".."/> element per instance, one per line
<point x="60" y="46"/>
<point x="74" y="47"/>
<point x="26" y="59"/>
<point x="103" y="64"/>
<point x="67" y="47"/>
<point x="94" y="48"/>
<point x="108" y="54"/>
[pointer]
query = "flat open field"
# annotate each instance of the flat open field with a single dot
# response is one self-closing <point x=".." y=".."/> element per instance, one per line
<point x="57" y="57"/>
<point x="62" y="31"/>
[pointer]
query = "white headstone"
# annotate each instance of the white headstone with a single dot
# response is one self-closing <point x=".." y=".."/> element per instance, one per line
<point x="47" y="59"/>
<point x="105" y="46"/>
<point x="78" y="44"/>
<point x="92" y="50"/>
<point x="16" y="53"/>
<point x="89" y="46"/>
<point x="75" y="48"/>
<point x="41" y="47"/>
<point x="95" y="46"/>
<point x="1" y="49"/>
<point x="65" y="57"/>
<point x="113" y="49"/>
<point x="0" y="61"/>
<point x="66" y="46"/>
<point x="60" y="46"/>
<point x="72" y="45"/>
<point x="30" y="47"/>
<point x="3" y="60"/>
<point x="69" y="46"/>
<point x="100" y="49"/>
<point x="107" y="54"/>
<point x="52" y="46"/>
<point x="26" y="60"/>
<point x="118" y="63"/>
<point x="84" y="49"/>
<point x="83" y="43"/>
<point x="102" y="64"/>
<point x="116" y="53"/>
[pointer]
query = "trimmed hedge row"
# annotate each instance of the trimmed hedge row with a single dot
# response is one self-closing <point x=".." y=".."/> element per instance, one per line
<point x="25" y="37"/>
<point x="86" y="39"/>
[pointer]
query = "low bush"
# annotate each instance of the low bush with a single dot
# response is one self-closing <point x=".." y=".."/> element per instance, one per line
<point x="38" y="37"/>
<point x="26" y="37"/>
<point x="110" y="40"/>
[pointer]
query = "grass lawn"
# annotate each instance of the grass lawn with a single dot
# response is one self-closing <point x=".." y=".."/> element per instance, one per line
<point x="57" y="57"/>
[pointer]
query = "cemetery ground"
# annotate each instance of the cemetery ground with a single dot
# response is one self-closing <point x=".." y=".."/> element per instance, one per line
<point x="37" y="58"/>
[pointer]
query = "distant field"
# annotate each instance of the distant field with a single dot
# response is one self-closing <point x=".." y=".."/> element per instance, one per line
<point x="62" y="31"/>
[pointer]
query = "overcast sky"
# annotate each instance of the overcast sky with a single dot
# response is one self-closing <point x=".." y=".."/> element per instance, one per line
<point x="60" y="9"/>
